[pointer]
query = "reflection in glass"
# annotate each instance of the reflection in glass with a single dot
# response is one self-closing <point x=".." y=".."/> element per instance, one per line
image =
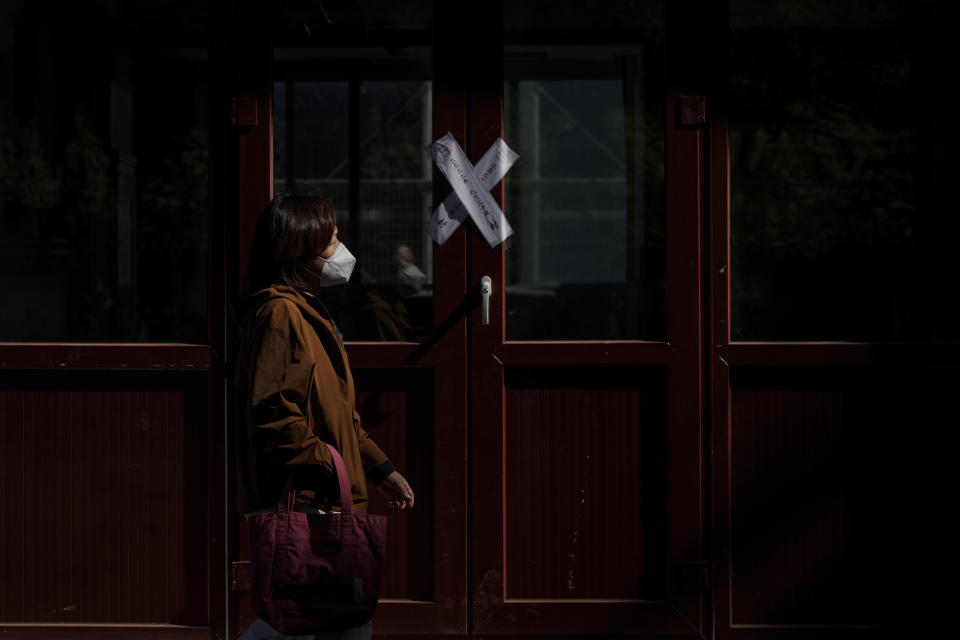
<point x="841" y="173"/>
<point x="382" y="198"/>
<point x="586" y="197"/>
<point x="311" y="141"/>
<point x="103" y="172"/>
<point x="395" y="199"/>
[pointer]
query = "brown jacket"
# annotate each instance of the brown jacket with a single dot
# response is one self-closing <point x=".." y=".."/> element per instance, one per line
<point x="295" y="388"/>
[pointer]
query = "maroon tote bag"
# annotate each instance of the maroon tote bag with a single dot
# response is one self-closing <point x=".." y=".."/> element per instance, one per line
<point x="316" y="573"/>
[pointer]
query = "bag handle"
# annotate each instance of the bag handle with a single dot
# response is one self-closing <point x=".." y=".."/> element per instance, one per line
<point x="343" y="480"/>
<point x="346" y="496"/>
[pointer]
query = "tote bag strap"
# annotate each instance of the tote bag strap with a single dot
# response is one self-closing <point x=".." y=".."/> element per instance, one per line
<point x="346" y="496"/>
<point x="343" y="480"/>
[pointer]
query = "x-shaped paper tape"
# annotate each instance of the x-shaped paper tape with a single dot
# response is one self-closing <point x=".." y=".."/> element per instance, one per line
<point x="471" y="190"/>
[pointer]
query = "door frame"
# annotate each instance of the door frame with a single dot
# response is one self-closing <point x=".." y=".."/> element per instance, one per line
<point x="102" y="367"/>
<point x="445" y="353"/>
<point x="469" y="104"/>
<point x="685" y="612"/>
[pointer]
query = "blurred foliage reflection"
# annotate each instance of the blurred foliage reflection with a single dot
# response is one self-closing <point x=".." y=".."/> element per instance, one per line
<point x="838" y="224"/>
<point x="103" y="172"/>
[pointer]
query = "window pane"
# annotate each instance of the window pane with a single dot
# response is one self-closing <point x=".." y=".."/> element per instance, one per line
<point x="586" y="197"/>
<point x="842" y="171"/>
<point x="356" y="134"/>
<point x="103" y="172"/>
<point x="311" y="141"/>
<point x="395" y="200"/>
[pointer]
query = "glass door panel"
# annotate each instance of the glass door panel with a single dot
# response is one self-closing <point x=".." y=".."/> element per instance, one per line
<point x="353" y="131"/>
<point x="842" y="179"/>
<point x="104" y="172"/>
<point x="395" y="200"/>
<point x="311" y="147"/>
<point x="586" y="199"/>
<point x="558" y="418"/>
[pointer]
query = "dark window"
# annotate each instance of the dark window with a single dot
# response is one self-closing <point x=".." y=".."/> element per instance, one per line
<point x="103" y="171"/>
<point x="583" y="107"/>
<point x="843" y="165"/>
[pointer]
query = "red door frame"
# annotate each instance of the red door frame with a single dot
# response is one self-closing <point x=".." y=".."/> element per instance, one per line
<point x="172" y="362"/>
<point x="445" y="353"/>
<point x="725" y="354"/>
<point x="681" y="354"/>
<point x="458" y="266"/>
<point x="684" y="613"/>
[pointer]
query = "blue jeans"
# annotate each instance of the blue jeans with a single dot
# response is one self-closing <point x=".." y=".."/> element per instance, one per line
<point x="261" y="630"/>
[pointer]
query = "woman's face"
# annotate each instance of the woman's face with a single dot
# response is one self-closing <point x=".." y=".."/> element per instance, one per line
<point x="316" y="266"/>
<point x="327" y="253"/>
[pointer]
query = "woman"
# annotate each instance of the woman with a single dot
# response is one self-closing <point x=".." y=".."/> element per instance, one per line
<point x="294" y="381"/>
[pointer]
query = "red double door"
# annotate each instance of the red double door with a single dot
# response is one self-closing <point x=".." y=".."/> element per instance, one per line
<point x="558" y="463"/>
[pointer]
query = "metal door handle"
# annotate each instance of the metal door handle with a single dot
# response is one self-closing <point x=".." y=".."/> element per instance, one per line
<point x="486" y="288"/>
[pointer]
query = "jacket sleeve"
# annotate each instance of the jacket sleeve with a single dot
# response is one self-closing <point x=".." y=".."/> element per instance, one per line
<point x="280" y="373"/>
<point x="377" y="465"/>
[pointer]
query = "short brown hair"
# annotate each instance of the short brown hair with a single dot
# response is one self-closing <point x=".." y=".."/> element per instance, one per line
<point x="290" y="234"/>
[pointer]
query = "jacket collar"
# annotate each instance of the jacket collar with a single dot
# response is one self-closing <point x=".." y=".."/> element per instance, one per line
<point x="309" y="305"/>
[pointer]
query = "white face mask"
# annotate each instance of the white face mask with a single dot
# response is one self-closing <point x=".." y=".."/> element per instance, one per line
<point x="337" y="268"/>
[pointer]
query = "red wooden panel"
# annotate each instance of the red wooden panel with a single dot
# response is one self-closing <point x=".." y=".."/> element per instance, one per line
<point x="791" y="535"/>
<point x="397" y="410"/>
<point x="104" y="499"/>
<point x="838" y="479"/>
<point x="585" y="485"/>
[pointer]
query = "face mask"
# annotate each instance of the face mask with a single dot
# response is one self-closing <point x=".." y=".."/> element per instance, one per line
<point x="337" y="268"/>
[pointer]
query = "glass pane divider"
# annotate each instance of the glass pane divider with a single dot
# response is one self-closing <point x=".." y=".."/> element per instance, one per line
<point x="132" y="356"/>
<point x="627" y="353"/>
